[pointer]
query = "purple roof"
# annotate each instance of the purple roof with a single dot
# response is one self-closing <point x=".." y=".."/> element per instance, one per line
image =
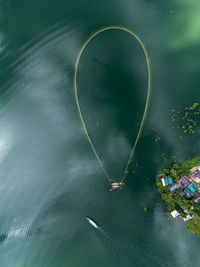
<point x="197" y="200"/>
<point x="196" y="174"/>
<point x="184" y="182"/>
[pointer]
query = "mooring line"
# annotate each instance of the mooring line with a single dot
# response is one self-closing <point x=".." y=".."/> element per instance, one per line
<point x="147" y="97"/>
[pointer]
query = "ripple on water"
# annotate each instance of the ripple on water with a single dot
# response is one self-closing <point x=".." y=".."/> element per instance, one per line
<point x="124" y="247"/>
<point x="58" y="36"/>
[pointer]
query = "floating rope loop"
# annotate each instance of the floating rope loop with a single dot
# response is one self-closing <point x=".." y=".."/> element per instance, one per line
<point x="147" y="97"/>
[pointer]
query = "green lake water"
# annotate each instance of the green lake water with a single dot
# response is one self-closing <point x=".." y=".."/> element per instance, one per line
<point x="50" y="179"/>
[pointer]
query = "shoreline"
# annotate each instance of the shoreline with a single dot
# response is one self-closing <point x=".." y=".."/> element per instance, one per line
<point x="179" y="186"/>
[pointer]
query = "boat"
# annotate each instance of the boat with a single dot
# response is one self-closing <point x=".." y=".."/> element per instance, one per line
<point x="92" y="222"/>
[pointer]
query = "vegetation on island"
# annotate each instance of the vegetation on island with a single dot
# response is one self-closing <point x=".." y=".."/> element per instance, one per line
<point x="177" y="200"/>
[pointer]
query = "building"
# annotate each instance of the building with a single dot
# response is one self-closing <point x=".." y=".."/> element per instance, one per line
<point x="188" y="218"/>
<point x="197" y="200"/>
<point x="173" y="188"/>
<point x="194" y="169"/>
<point x="184" y="182"/>
<point x="167" y="181"/>
<point x="175" y="213"/>
<point x="195" y="174"/>
<point x="187" y="195"/>
<point x="160" y="175"/>
<point x="191" y="189"/>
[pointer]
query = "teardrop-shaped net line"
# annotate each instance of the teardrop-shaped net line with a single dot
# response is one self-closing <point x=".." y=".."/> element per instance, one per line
<point x="147" y="96"/>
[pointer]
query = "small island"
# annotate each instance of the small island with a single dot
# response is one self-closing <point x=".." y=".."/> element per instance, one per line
<point x="179" y="185"/>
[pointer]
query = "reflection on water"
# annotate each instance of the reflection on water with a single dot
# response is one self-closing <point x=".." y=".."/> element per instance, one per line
<point x="50" y="179"/>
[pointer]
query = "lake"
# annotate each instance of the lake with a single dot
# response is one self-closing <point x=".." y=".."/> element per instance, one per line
<point x="51" y="179"/>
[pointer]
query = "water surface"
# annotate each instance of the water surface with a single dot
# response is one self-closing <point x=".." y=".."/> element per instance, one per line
<point x="50" y="178"/>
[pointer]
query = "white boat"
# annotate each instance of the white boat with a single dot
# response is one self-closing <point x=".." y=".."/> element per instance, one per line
<point x="92" y="222"/>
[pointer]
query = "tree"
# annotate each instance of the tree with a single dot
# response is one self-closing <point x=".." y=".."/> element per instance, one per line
<point x="193" y="225"/>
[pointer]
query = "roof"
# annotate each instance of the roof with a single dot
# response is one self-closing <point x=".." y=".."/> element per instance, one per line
<point x="194" y="169"/>
<point x="168" y="181"/>
<point x="196" y="174"/>
<point x="197" y="200"/>
<point x="173" y="188"/>
<point x="188" y="218"/>
<point x="188" y="196"/>
<point x="184" y="182"/>
<point x="175" y="213"/>
<point x="192" y="188"/>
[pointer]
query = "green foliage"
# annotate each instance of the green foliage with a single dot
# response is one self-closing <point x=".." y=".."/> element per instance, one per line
<point x="182" y="202"/>
<point x="173" y="173"/>
<point x="166" y="171"/>
<point x="193" y="225"/>
<point x="197" y="208"/>
<point x="176" y="166"/>
<point x="176" y="200"/>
